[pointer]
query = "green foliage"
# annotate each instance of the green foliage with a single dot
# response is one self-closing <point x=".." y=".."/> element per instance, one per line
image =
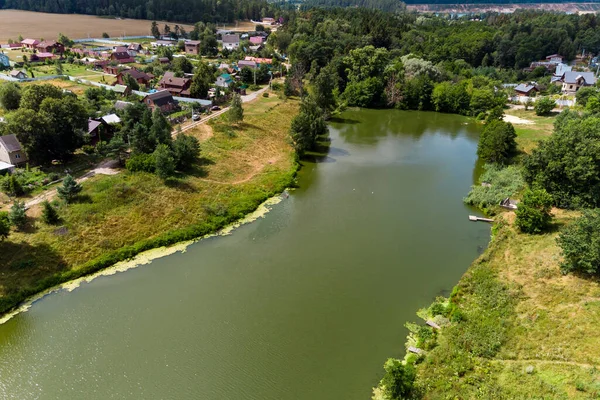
<point x="33" y="95"/>
<point x="567" y="165"/>
<point x="65" y="41"/>
<point x="307" y="126"/>
<point x="186" y="151"/>
<point x="533" y="214"/>
<point x="160" y="132"/>
<point x="164" y="162"/>
<point x="10" y="96"/>
<point x="236" y="111"/>
<point x="49" y="214"/>
<point x="131" y="82"/>
<point x="584" y="93"/>
<point x="4" y="225"/>
<point x="398" y="380"/>
<point x="503" y="183"/>
<point x="497" y="142"/>
<point x="580" y="244"/>
<point x="450" y="97"/>
<point x="11" y="185"/>
<point x="17" y="215"/>
<point x="202" y="80"/>
<point x="69" y="189"/>
<point x="105" y="35"/>
<point x="141" y="162"/>
<point x="182" y="65"/>
<point x="154" y="31"/>
<point x="544" y="106"/>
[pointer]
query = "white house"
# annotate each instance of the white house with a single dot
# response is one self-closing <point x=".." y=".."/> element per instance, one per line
<point x="573" y="80"/>
<point x="11" y="151"/>
<point x="555" y="58"/>
<point x="231" y="41"/>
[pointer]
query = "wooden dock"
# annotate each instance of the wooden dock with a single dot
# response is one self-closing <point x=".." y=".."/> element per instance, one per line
<point x="476" y="218"/>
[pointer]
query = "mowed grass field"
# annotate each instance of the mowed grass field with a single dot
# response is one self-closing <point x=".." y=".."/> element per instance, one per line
<point x="118" y="216"/>
<point x="42" y="25"/>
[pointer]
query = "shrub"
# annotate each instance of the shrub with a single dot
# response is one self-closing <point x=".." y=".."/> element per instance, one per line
<point x="236" y="111"/>
<point x="186" y="149"/>
<point x="17" y="215"/>
<point x="398" y="380"/>
<point x="88" y="149"/>
<point x="4" y="225"/>
<point x="276" y="86"/>
<point x="504" y="182"/>
<point x="141" y="163"/>
<point x="265" y="94"/>
<point x="580" y="244"/>
<point x="49" y="213"/>
<point x="12" y="186"/>
<point x="164" y="162"/>
<point x="497" y="142"/>
<point x="544" y="105"/>
<point x="533" y="214"/>
<point x="69" y="189"/>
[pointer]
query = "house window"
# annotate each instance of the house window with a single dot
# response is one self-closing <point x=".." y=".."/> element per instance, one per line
<point x="570" y="86"/>
<point x="17" y="156"/>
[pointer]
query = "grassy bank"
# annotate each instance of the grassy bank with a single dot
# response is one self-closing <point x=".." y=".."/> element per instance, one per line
<point x="120" y="216"/>
<point x="514" y="326"/>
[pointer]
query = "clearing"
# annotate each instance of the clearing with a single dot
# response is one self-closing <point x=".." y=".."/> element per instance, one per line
<point x="43" y="25"/>
<point x="530" y="128"/>
<point x="120" y="215"/>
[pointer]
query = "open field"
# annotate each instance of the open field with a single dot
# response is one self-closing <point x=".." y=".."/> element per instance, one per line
<point x="528" y="135"/>
<point x="582" y="8"/>
<point x="121" y="215"/>
<point x="43" y="25"/>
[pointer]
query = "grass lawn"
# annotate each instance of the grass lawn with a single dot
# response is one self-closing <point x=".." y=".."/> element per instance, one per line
<point x="528" y="135"/>
<point x="121" y="215"/>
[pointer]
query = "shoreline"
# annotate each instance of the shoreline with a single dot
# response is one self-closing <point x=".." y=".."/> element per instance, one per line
<point x="143" y="258"/>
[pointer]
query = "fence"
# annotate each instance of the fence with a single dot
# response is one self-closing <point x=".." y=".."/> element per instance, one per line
<point x="559" y="102"/>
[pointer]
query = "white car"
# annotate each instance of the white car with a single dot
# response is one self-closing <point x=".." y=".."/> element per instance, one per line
<point x="196" y="117"/>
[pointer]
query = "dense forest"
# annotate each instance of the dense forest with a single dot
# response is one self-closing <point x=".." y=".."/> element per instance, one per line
<point x="170" y="10"/>
<point x="382" y="5"/>
<point x="491" y="1"/>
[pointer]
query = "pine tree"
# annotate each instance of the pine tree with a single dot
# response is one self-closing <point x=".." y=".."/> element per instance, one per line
<point x="4" y="226"/>
<point x="69" y="189"/>
<point x="17" y="215"/>
<point x="49" y="213"/>
<point x="164" y="161"/>
<point x="236" y="111"/>
<point x="154" y="30"/>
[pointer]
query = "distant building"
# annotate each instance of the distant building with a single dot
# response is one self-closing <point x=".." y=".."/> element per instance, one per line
<point x="268" y="21"/>
<point x="162" y="100"/>
<point x="140" y="77"/>
<point x="192" y="47"/>
<point x="11" y="151"/>
<point x="17" y="74"/>
<point x="135" y="47"/>
<point x="572" y="81"/>
<point x="176" y="86"/>
<point x="231" y="41"/>
<point x="247" y="64"/>
<point x="163" y="43"/>
<point x="30" y="43"/>
<point x="50" y="46"/>
<point x="4" y="61"/>
<point x="256" y="40"/>
<point x="122" y="57"/>
<point x="525" y="89"/>
<point x="224" y="80"/>
<point x="555" y="58"/>
<point x="121" y="105"/>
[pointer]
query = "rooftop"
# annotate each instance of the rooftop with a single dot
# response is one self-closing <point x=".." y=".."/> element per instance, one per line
<point x="10" y="142"/>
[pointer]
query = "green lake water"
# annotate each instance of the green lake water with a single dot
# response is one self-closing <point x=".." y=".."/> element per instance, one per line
<point x="306" y="303"/>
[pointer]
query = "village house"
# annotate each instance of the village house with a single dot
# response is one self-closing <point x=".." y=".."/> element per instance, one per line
<point x="135" y="48"/>
<point x="268" y="21"/>
<point x="50" y="46"/>
<point x="164" y="60"/>
<point x="231" y="41"/>
<point x="41" y="56"/>
<point x="525" y="89"/>
<point x="572" y="81"/>
<point x="15" y="73"/>
<point x="256" y="40"/>
<point x="4" y="61"/>
<point x="163" y="43"/>
<point x="11" y="151"/>
<point x="259" y="60"/>
<point x="141" y="77"/>
<point x="121" y="105"/>
<point x="175" y="86"/>
<point x="122" y="90"/>
<point x="192" y="47"/>
<point x="555" y="58"/>
<point x="30" y="43"/>
<point x="111" y="69"/>
<point x="247" y="64"/>
<point x="162" y="100"/>
<point x="122" y="57"/>
<point x="224" y="81"/>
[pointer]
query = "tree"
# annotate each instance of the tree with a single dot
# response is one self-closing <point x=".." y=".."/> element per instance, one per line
<point x="580" y="244"/>
<point x="65" y="41"/>
<point x="58" y="67"/>
<point x="117" y="148"/>
<point x="131" y="82"/>
<point x="154" y="31"/>
<point x="11" y="186"/>
<point x="105" y="35"/>
<point x="186" y="150"/>
<point x="307" y="126"/>
<point x="49" y="213"/>
<point x="183" y="65"/>
<point x="69" y="189"/>
<point x="202" y="81"/>
<point x="33" y="95"/>
<point x="584" y="93"/>
<point x="4" y="225"/>
<point x="164" y="161"/>
<point x="497" y="142"/>
<point x="533" y="214"/>
<point x="323" y="86"/>
<point x="544" y="106"/>
<point x="398" y="380"/>
<point x="10" y="96"/>
<point x="68" y="122"/>
<point x="236" y="111"/>
<point x="17" y="215"/>
<point x="160" y="132"/>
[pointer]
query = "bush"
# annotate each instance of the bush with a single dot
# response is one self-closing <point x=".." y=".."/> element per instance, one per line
<point x="164" y="162"/>
<point x="4" y="225"/>
<point x="580" y="244"/>
<point x="49" y="213"/>
<point x="140" y="163"/>
<point x="265" y="94"/>
<point x="88" y="149"/>
<point x="533" y="214"/>
<point x="17" y="215"/>
<point x="497" y="142"/>
<point x="504" y="182"/>
<point x="69" y="189"/>
<point x="544" y="105"/>
<point x="276" y="86"/>
<point x="186" y="149"/>
<point x="398" y="380"/>
<point x="11" y="185"/>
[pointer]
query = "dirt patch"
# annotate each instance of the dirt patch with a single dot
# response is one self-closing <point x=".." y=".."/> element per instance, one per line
<point x="516" y="120"/>
<point x="42" y="25"/>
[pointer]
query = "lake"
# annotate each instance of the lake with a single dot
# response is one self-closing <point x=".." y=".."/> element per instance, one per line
<point x="305" y="303"/>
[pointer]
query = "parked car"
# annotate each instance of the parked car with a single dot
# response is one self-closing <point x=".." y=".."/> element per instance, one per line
<point x="215" y="108"/>
<point x="196" y="117"/>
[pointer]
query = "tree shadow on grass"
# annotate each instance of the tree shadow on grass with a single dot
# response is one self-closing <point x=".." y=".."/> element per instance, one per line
<point x="25" y="265"/>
